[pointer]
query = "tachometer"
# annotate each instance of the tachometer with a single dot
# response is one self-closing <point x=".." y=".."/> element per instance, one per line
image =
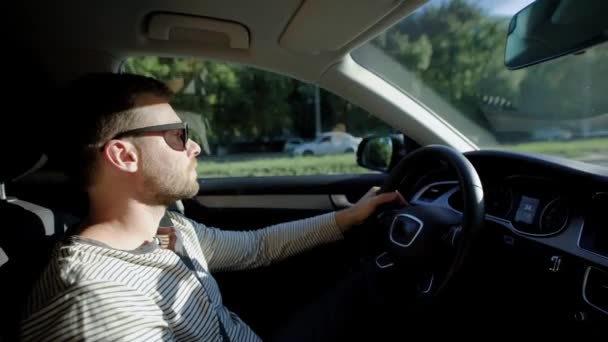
<point x="554" y="216"/>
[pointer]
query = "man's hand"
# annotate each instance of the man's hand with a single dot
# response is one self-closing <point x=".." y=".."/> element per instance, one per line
<point x="346" y="218"/>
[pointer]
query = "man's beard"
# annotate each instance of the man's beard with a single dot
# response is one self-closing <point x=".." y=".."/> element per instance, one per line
<point x="164" y="184"/>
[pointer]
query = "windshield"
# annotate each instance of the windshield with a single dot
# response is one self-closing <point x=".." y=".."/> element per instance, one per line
<point x="449" y="55"/>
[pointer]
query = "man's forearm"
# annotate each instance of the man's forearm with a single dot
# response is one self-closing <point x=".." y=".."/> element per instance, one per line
<point x="345" y="219"/>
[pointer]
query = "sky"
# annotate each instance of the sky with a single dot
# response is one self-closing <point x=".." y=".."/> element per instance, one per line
<point x="496" y="7"/>
<point x="503" y="7"/>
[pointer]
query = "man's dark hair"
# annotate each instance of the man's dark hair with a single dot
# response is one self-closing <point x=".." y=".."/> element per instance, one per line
<point x="99" y="105"/>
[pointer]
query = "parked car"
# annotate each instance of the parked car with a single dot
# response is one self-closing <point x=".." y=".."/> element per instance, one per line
<point x="329" y="143"/>
<point x="291" y="144"/>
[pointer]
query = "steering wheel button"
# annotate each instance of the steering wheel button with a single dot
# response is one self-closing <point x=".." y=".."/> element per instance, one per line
<point x="404" y="229"/>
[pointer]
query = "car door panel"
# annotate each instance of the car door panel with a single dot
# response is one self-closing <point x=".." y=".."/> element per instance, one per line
<point x="255" y="202"/>
<point x="246" y="203"/>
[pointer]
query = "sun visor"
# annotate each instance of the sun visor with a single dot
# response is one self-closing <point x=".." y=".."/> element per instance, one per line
<point x="208" y="31"/>
<point x="321" y="25"/>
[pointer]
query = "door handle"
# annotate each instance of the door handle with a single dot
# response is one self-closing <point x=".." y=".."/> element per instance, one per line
<point x="340" y="201"/>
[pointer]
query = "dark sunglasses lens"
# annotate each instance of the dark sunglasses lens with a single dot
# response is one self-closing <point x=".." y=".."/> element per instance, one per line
<point x="185" y="136"/>
<point x="176" y="139"/>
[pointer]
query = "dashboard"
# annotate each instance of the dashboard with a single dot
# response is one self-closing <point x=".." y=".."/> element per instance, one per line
<point x="529" y="205"/>
<point x="556" y="206"/>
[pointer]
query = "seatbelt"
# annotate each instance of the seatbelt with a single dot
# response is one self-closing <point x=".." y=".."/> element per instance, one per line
<point x="176" y="246"/>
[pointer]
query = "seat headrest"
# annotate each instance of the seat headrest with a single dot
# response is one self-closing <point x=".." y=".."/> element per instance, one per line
<point x="16" y="165"/>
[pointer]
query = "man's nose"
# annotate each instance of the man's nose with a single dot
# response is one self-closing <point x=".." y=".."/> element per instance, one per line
<point x="193" y="148"/>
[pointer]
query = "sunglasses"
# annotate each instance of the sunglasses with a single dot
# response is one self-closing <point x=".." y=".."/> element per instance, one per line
<point x="175" y="135"/>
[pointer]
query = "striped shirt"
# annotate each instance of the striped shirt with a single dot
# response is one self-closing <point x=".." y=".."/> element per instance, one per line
<point x="94" y="292"/>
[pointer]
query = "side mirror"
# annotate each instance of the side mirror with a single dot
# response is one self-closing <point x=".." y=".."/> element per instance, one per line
<point x="380" y="153"/>
<point x="548" y="29"/>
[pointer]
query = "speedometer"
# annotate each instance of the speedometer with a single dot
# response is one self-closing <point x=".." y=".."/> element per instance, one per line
<point x="499" y="200"/>
<point x="554" y="216"/>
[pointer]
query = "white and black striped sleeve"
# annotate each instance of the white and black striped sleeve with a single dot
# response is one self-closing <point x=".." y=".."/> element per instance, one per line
<point x="239" y="250"/>
<point x="96" y="311"/>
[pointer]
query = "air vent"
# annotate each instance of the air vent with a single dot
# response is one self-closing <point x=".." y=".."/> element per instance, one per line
<point x="3" y="257"/>
<point x="594" y="236"/>
<point x="435" y="191"/>
<point x="595" y="288"/>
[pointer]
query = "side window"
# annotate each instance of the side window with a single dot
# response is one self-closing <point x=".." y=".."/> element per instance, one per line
<point x="257" y="123"/>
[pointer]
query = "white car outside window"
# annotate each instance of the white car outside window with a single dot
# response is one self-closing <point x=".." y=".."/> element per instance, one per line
<point x="329" y="143"/>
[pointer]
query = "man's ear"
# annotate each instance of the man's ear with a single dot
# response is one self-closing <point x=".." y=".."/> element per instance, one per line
<point x="121" y="154"/>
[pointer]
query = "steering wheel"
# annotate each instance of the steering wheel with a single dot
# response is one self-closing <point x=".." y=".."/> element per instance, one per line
<point x="428" y="241"/>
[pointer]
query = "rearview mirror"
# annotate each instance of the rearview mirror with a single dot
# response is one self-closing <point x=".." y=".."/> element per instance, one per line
<point x="547" y="29"/>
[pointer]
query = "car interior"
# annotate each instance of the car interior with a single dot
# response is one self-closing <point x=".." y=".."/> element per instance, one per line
<point x="510" y="238"/>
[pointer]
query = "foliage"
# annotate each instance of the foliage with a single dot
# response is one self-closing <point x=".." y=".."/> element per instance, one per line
<point x="454" y="47"/>
<point x="577" y="149"/>
<point x="457" y="49"/>
<point x="378" y="152"/>
<point x="247" y="104"/>
<point x="281" y="166"/>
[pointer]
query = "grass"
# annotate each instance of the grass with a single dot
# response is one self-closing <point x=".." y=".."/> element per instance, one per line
<point x="570" y="149"/>
<point x="280" y="165"/>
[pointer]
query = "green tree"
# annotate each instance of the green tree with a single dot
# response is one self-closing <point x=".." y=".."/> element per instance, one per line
<point x="247" y="104"/>
<point x="457" y="49"/>
<point x="567" y="87"/>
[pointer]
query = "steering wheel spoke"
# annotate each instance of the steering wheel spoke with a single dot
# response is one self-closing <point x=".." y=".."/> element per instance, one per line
<point x="384" y="261"/>
<point x="431" y="241"/>
<point x="426" y="283"/>
<point x="451" y="239"/>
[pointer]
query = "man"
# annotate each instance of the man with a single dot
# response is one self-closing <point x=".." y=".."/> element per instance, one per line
<point x="120" y="276"/>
